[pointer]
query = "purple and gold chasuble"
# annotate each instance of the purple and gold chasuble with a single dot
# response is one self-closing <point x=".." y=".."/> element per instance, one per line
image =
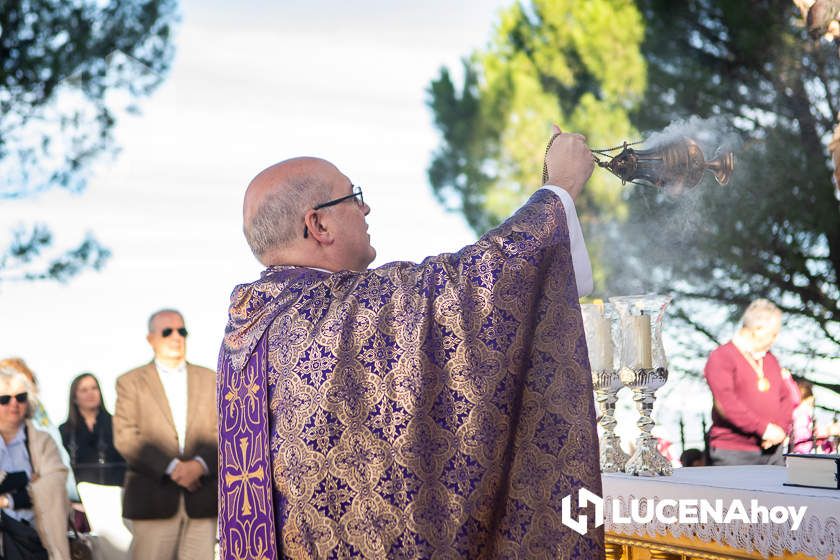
<point x="439" y="410"/>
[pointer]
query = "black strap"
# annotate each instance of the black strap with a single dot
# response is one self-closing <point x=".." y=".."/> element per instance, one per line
<point x="21" y="496"/>
<point x="26" y="442"/>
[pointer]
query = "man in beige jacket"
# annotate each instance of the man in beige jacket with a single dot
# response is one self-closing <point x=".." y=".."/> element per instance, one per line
<point x="165" y="427"/>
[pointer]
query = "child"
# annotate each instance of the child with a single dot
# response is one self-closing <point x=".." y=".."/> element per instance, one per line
<point x="806" y="435"/>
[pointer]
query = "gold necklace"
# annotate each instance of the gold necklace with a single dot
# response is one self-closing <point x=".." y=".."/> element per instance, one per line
<point x="758" y="367"/>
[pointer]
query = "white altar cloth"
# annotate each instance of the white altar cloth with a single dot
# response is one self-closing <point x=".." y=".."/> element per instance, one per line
<point x="818" y="535"/>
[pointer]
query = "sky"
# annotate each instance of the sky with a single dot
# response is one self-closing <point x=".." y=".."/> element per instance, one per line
<point x="252" y="83"/>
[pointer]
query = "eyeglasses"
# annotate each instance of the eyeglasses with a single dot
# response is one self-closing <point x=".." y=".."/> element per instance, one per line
<point x="169" y="330"/>
<point x="357" y="194"/>
<point x="20" y="397"/>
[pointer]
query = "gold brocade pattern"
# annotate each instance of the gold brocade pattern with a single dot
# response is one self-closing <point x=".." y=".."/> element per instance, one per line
<point x="244" y="503"/>
<point x="439" y="410"/>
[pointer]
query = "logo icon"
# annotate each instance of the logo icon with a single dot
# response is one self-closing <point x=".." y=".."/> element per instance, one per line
<point x="585" y="497"/>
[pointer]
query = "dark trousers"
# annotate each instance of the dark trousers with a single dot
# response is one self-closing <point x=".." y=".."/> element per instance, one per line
<point x="729" y="457"/>
<point x="20" y="540"/>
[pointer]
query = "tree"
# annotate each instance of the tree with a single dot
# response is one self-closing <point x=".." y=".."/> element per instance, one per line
<point x="550" y="61"/>
<point x="747" y="68"/>
<point x="61" y="63"/>
<point x="729" y="72"/>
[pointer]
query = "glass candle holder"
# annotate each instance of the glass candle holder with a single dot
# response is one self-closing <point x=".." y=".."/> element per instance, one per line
<point x="643" y="368"/>
<point x="601" y="345"/>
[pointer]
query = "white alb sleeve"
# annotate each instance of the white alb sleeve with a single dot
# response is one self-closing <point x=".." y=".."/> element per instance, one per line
<point x="580" y="257"/>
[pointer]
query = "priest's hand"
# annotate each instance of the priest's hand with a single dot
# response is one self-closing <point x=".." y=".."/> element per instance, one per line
<point x="569" y="162"/>
<point x="187" y="474"/>
<point x="773" y="435"/>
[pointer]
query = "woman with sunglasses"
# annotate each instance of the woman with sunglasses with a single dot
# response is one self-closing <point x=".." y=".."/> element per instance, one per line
<point x="42" y="420"/>
<point x="88" y="437"/>
<point x="34" y="505"/>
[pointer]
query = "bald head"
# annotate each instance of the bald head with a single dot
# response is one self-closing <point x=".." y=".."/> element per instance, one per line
<point x="277" y="199"/>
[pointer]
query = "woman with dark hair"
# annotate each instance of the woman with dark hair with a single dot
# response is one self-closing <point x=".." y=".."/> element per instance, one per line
<point x="88" y="436"/>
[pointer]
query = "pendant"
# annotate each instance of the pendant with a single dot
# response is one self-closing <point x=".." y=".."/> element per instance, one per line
<point x="763" y="384"/>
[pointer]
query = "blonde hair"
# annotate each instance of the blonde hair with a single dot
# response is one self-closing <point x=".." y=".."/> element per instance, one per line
<point x="20" y="366"/>
<point x="759" y="313"/>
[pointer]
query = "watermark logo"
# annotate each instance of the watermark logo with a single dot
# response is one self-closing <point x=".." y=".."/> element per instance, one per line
<point x="578" y="524"/>
<point x="669" y="511"/>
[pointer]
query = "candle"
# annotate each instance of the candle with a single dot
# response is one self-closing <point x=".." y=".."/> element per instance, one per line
<point x="598" y="336"/>
<point x="602" y="357"/>
<point x="638" y="340"/>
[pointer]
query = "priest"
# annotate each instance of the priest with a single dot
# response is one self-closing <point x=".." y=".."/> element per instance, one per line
<point x="441" y="409"/>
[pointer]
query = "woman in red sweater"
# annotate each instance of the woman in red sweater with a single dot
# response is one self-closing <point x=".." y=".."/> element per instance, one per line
<point x="752" y="411"/>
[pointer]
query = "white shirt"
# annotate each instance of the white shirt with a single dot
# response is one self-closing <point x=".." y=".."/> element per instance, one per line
<point x="580" y="257"/>
<point x="174" y="381"/>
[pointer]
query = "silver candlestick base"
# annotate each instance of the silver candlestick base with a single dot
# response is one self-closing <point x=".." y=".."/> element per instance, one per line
<point x="607" y="383"/>
<point x="646" y="460"/>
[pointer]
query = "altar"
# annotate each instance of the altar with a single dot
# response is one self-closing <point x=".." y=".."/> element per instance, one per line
<point x="734" y="536"/>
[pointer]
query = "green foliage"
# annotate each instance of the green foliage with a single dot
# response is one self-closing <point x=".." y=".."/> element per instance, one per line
<point x="61" y="64"/>
<point x="577" y="64"/>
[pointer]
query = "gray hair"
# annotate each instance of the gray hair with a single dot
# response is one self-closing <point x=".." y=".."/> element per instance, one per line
<point x="9" y="375"/>
<point x="759" y="313"/>
<point x="276" y="222"/>
<point x="155" y="315"/>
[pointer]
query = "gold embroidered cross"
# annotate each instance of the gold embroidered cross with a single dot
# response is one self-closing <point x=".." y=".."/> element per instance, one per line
<point x="250" y="392"/>
<point x="245" y="477"/>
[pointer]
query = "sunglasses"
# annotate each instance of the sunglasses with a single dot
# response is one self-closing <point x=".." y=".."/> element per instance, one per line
<point x="20" y="397"/>
<point x="169" y="330"/>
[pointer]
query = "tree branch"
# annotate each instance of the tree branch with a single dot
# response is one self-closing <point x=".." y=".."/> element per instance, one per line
<point x="683" y="315"/>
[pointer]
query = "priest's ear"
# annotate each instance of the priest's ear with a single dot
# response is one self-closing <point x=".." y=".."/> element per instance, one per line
<point x="316" y="229"/>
